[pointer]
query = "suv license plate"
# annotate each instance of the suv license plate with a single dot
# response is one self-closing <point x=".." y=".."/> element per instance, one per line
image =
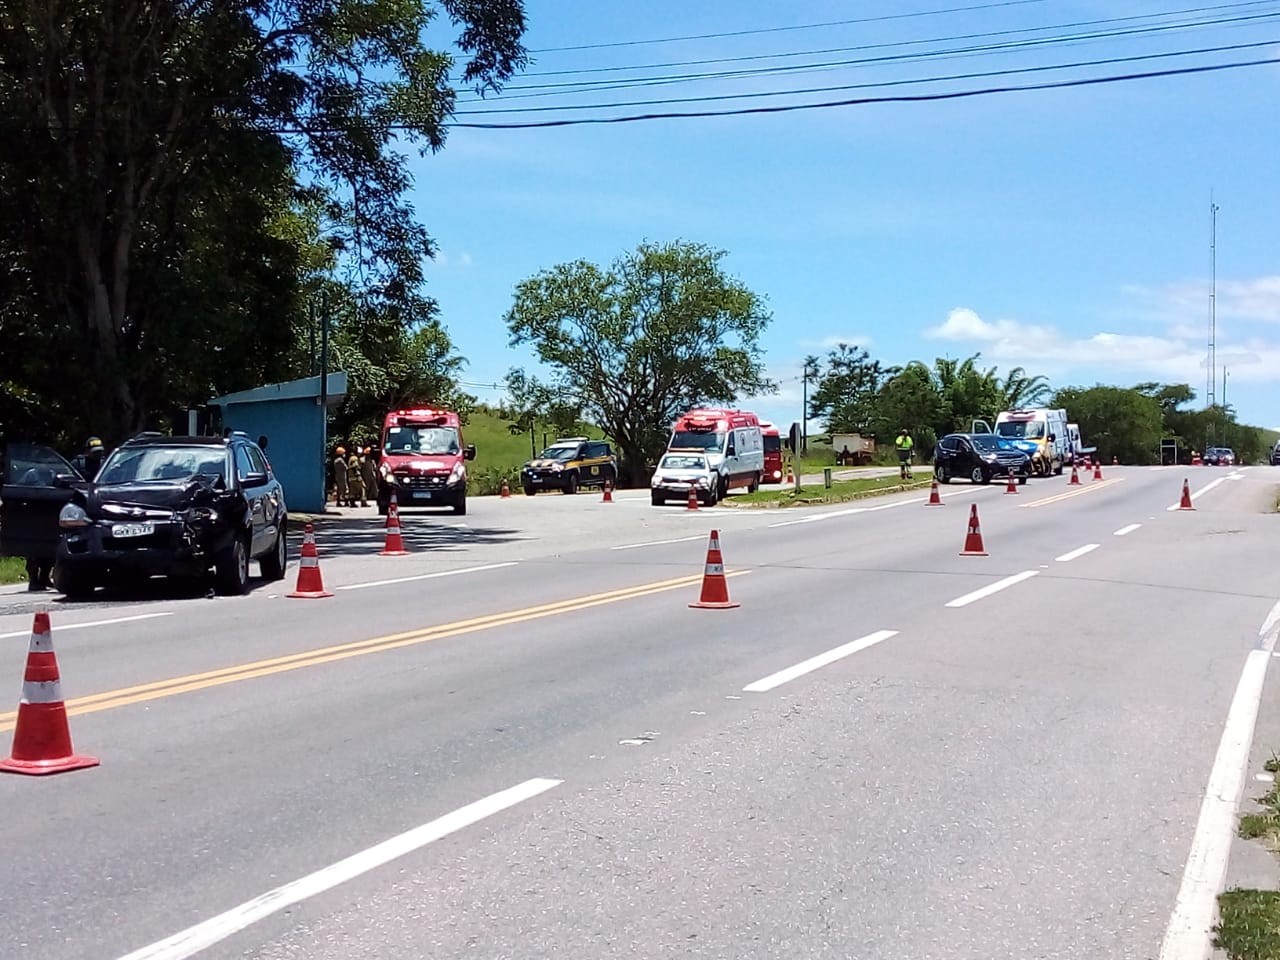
<point x="422" y="495"/>
<point x="122" y="531"/>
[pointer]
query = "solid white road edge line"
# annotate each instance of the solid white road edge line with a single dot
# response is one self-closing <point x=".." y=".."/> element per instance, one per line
<point x="1125" y="531"/>
<point x="829" y="515"/>
<point x="203" y="935"/>
<point x="991" y="588"/>
<point x="659" y="543"/>
<point x="1197" y="494"/>
<point x="428" y="576"/>
<point x="1077" y="552"/>
<point x="60" y="627"/>
<point x="1189" y="934"/>
<point x="821" y="660"/>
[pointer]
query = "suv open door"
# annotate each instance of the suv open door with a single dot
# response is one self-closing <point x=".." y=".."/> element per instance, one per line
<point x="35" y="484"/>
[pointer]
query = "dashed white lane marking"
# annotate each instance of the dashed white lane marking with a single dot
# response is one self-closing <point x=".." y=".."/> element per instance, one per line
<point x="659" y="543"/>
<point x="1125" y="531"/>
<point x="1189" y="934"/>
<point x="850" y="511"/>
<point x="821" y="660"/>
<point x="427" y="576"/>
<point x="1197" y="494"/>
<point x="60" y="627"/>
<point x="203" y="935"/>
<point x="991" y="588"/>
<point x="1077" y="552"/>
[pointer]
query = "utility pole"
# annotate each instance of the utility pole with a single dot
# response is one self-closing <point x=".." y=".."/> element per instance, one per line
<point x="804" y="410"/>
<point x="1213" y="299"/>
<point x="1213" y="315"/>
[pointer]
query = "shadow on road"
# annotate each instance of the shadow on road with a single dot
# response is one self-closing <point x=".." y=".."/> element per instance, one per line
<point x="364" y="537"/>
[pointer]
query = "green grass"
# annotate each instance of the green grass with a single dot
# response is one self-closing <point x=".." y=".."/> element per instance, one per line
<point x="1265" y="824"/>
<point x="841" y="491"/>
<point x="500" y="453"/>
<point x="13" y="570"/>
<point x="1249" y="928"/>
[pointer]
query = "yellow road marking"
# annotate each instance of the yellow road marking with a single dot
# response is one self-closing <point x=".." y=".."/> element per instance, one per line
<point x="141" y="693"/>
<point x="1093" y="485"/>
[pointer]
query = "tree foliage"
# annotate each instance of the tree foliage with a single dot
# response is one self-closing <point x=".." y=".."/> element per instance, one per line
<point x="1121" y="422"/>
<point x="154" y="153"/>
<point x="847" y="390"/>
<point x="661" y="330"/>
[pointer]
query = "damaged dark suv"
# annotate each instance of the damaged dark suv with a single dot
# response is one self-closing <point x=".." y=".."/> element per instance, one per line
<point x="174" y="506"/>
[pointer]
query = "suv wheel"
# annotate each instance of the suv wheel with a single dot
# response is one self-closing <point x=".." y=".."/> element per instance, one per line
<point x="72" y="582"/>
<point x="231" y="569"/>
<point x="460" y="505"/>
<point x="273" y="564"/>
<point x="977" y="476"/>
<point x="571" y="484"/>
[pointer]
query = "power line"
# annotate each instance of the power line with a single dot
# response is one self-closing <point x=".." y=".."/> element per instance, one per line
<point x="1036" y="42"/>
<point x="1110" y="61"/>
<point x="785" y="29"/>
<point x="861" y="101"/>
<point x="944" y="39"/>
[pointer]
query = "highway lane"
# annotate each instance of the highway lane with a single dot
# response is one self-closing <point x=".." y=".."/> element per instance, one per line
<point x="221" y="793"/>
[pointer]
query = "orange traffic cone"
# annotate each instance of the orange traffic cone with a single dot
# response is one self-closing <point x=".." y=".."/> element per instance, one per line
<point x="935" y="500"/>
<point x="1097" y="470"/>
<point x="790" y="481"/>
<point x="608" y="492"/>
<point x="394" y="546"/>
<point x="1075" y="477"/>
<point x="1012" y="486"/>
<point x="41" y="737"/>
<point x="1186" y="497"/>
<point x="973" y="546"/>
<point x="693" y="496"/>
<point x="715" y="588"/>
<point x="506" y="490"/>
<point x="1115" y="461"/>
<point x="310" y="583"/>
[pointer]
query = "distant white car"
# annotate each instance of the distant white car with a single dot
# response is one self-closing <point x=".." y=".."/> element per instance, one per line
<point x="677" y="472"/>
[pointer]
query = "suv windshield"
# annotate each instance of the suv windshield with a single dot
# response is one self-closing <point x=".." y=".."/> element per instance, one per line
<point x="987" y="442"/>
<point x="695" y="440"/>
<point x="1021" y="429"/>
<point x="559" y="453"/>
<point x="163" y="464"/>
<point x="436" y="441"/>
<point x="686" y="462"/>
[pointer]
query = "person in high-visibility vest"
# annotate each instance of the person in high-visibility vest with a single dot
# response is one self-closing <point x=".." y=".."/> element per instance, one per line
<point x="905" y="445"/>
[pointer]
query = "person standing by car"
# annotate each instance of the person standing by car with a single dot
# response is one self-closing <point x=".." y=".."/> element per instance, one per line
<point x="90" y="461"/>
<point x="369" y="472"/>
<point x="342" y="492"/>
<point x="355" y="478"/>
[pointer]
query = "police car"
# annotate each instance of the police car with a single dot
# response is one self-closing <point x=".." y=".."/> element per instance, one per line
<point x="568" y="464"/>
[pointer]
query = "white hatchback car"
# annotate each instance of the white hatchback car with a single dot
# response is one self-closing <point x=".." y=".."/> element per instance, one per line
<point x="677" y="472"/>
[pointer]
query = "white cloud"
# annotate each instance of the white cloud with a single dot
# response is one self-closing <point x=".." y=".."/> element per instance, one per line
<point x="1249" y="301"/>
<point x="832" y="342"/>
<point x="443" y="259"/>
<point x="1047" y="349"/>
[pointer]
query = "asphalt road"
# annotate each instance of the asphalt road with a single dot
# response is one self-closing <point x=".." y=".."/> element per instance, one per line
<point x="521" y="742"/>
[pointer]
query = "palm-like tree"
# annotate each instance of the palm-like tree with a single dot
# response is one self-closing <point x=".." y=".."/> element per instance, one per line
<point x="1022" y="391"/>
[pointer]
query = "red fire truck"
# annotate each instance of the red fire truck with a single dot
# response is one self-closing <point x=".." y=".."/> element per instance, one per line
<point x="772" y="452"/>
<point x="424" y="460"/>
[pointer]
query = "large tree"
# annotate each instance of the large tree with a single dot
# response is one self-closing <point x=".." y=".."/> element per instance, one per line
<point x="845" y="398"/>
<point x="663" y="329"/>
<point x="1120" y="422"/>
<point x="151" y="145"/>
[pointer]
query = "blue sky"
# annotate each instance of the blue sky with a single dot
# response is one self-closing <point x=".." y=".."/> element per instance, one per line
<point x="1066" y="231"/>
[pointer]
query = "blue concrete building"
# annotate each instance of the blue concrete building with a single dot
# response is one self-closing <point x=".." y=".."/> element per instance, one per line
<point x="290" y="417"/>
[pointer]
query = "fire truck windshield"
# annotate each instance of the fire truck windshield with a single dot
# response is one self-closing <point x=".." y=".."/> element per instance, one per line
<point x="696" y="440"/>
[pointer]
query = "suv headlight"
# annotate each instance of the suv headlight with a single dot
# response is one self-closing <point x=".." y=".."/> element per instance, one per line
<point x="197" y="514"/>
<point x="73" y="516"/>
<point x="457" y="473"/>
<point x="557" y="467"/>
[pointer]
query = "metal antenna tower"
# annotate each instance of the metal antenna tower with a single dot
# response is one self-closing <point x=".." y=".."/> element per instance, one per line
<point x="1213" y="300"/>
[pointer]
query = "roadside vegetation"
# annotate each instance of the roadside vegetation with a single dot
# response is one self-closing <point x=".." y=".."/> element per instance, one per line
<point x="12" y="570"/>
<point x="842" y="491"/>
<point x="1249" y="920"/>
